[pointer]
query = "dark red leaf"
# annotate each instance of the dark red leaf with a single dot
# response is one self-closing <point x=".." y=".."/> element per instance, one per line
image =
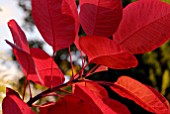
<point x="140" y="94"/>
<point x="94" y="87"/>
<point x="145" y="26"/>
<point x="66" y="105"/>
<point x="12" y="104"/>
<point x="96" y="103"/>
<point x="116" y="106"/>
<point x="57" y="21"/>
<point x="103" y="51"/>
<point x="9" y="91"/>
<point x="18" y="36"/>
<point x="100" y="17"/>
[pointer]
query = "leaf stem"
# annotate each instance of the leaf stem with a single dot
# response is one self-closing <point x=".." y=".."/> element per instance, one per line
<point x="71" y="62"/>
<point x="49" y="90"/>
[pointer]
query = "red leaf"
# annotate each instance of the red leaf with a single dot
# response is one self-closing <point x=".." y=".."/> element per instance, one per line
<point x="144" y="26"/>
<point x="47" y="69"/>
<point x="103" y="51"/>
<point x="66" y="105"/>
<point x="38" y="66"/>
<point x="100" y="17"/>
<point x="12" y="104"/>
<point x="57" y="21"/>
<point x="101" y="68"/>
<point x="25" y="60"/>
<point x="18" y="36"/>
<point x="102" y="93"/>
<point x="9" y="91"/>
<point x="140" y="94"/>
<point x="162" y="98"/>
<point x="94" y="87"/>
<point x="116" y="106"/>
<point x="96" y="104"/>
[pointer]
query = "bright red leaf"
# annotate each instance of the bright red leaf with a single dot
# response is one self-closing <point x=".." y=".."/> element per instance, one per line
<point x="100" y="68"/>
<point x="101" y="50"/>
<point x="140" y="94"/>
<point x="12" y="104"/>
<point x="57" y="21"/>
<point x="19" y="36"/>
<point x="25" y="59"/>
<point x="47" y="69"/>
<point x="38" y="67"/>
<point x="100" y="17"/>
<point x="145" y="26"/>
<point x="66" y="105"/>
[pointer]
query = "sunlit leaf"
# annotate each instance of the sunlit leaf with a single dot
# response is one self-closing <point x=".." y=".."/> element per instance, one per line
<point x="57" y="21"/>
<point x="145" y="26"/>
<point x="103" y="51"/>
<point x="25" y="59"/>
<point x="100" y="17"/>
<point x="47" y="69"/>
<point x="140" y="94"/>
<point x="38" y="67"/>
<point x="18" y="36"/>
<point x="101" y="68"/>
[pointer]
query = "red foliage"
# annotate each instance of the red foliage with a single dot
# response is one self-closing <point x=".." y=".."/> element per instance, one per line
<point x="100" y="17"/>
<point x="57" y="21"/>
<point x="143" y="27"/>
<point x="12" y="104"/>
<point x="105" y="52"/>
<point x="146" y="97"/>
<point x="36" y="64"/>
<point x="67" y="105"/>
<point x="146" y="28"/>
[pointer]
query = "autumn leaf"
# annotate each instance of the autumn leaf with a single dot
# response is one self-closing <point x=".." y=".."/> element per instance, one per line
<point x="66" y="105"/>
<point x="147" y="98"/>
<point x="103" y="51"/>
<point x="57" y="21"/>
<point x="144" y="26"/>
<point x="18" y="35"/>
<point x="37" y="66"/>
<point x="94" y="87"/>
<point x="100" y="17"/>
